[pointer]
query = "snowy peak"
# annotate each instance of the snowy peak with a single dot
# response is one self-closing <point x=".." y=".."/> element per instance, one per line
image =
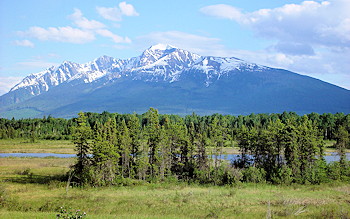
<point x="154" y="53"/>
<point x="160" y="62"/>
<point x="104" y="61"/>
<point x="160" y="54"/>
<point x="162" y="47"/>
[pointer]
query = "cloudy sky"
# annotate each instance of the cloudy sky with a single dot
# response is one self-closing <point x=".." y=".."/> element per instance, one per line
<point x="307" y="37"/>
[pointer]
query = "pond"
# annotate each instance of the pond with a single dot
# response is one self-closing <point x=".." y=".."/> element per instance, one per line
<point x="329" y="157"/>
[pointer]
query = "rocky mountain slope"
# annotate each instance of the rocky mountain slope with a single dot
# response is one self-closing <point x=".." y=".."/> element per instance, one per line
<point x="172" y="80"/>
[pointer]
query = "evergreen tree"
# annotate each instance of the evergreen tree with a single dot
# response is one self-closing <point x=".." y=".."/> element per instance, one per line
<point x="310" y="145"/>
<point x="81" y="134"/>
<point x="135" y="135"/>
<point x="104" y="156"/>
<point x="343" y="140"/>
<point x="291" y="152"/>
<point x="153" y="134"/>
<point x="217" y="139"/>
<point x="125" y="149"/>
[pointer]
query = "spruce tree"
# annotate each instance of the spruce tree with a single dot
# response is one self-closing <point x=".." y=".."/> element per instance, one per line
<point x="153" y="132"/>
<point x="80" y="136"/>
<point x="343" y="140"/>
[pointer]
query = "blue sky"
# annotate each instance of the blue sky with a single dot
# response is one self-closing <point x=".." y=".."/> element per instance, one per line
<point x="307" y="37"/>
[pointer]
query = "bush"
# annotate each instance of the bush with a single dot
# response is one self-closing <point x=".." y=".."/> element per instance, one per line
<point x="316" y="173"/>
<point x="231" y="175"/>
<point x="334" y="171"/>
<point x="255" y="175"/>
<point x="284" y="175"/>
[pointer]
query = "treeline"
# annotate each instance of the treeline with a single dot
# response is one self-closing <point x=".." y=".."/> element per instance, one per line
<point x="46" y="128"/>
<point x="279" y="148"/>
<point x="58" y="128"/>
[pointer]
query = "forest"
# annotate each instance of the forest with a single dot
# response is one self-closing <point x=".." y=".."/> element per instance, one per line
<point x="117" y="148"/>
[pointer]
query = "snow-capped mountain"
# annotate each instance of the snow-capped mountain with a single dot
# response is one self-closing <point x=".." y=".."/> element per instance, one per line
<point x="68" y="71"/>
<point x="174" y="81"/>
<point x="158" y="63"/>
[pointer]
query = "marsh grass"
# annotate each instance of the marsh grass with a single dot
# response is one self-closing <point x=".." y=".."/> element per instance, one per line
<point x="40" y="146"/>
<point x="36" y="188"/>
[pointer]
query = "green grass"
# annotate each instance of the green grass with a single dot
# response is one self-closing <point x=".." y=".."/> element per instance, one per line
<point x="30" y="188"/>
<point x="40" y="146"/>
<point x="67" y="147"/>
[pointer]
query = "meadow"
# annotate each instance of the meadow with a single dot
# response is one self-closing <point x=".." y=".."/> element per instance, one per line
<point x="21" y="145"/>
<point x="37" y="188"/>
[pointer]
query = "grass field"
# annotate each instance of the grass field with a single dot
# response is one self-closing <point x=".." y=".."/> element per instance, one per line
<point x="33" y="188"/>
<point x="40" y="146"/>
<point x="67" y="147"/>
<point x="30" y="188"/>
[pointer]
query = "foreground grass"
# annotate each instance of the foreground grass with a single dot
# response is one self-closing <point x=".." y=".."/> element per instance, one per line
<point x="40" y="146"/>
<point x="32" y="188"/>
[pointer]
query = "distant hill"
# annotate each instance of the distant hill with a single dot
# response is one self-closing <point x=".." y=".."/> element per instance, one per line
<point x="173" y="81"/>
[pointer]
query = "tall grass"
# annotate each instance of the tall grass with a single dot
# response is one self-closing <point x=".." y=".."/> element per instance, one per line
<point x="40" y="146"/>
<point x="36" y="188"/>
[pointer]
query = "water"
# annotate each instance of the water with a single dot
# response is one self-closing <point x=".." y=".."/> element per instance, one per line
<point x="329" y="157"/>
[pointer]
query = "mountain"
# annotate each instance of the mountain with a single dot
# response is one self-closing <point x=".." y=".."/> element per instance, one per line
<point x="174" y="81"/>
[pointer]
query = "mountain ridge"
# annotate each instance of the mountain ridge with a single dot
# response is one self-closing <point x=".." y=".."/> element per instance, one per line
<point x="172" y="70"/>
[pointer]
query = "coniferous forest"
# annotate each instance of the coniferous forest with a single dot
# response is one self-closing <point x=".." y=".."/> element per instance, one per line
<point x="116" y="148"/>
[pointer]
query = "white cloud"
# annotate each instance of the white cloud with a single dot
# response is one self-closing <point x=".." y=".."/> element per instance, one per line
<point x="312" y="37"/>
<point x="114" y="37"/>
<point x="83" y="22"/>
<point x="113" y="14"/>
<point x="60" y="34"/>
<point x="325" y="23"/>
<point x="86" y="31"/>
<point x="222" y="11"/>
<point x="116" y="13"/>
<point x="127" y="9"/>
<point x="25" y="43"/>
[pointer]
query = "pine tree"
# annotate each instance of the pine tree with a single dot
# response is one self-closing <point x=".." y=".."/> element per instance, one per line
<point x="153" y="132"/>
<point x="310" y="145"/>
<point x="135" y="135"/>
<point x="81" y="134"/>
<point x="125" y="148"/>
<point x="291" y="152"/>
<point x="343" y="139"/>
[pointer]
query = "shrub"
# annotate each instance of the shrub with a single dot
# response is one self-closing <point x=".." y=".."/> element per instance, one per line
<point x="334" y="171"/>
<point x="231" y="175"/>
<point x="283" y="176"/>
<point x="254" y="174"/>
<point x="316" y="173"/>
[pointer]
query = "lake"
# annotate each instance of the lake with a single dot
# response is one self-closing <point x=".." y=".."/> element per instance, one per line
<point x="329" y="157"/>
